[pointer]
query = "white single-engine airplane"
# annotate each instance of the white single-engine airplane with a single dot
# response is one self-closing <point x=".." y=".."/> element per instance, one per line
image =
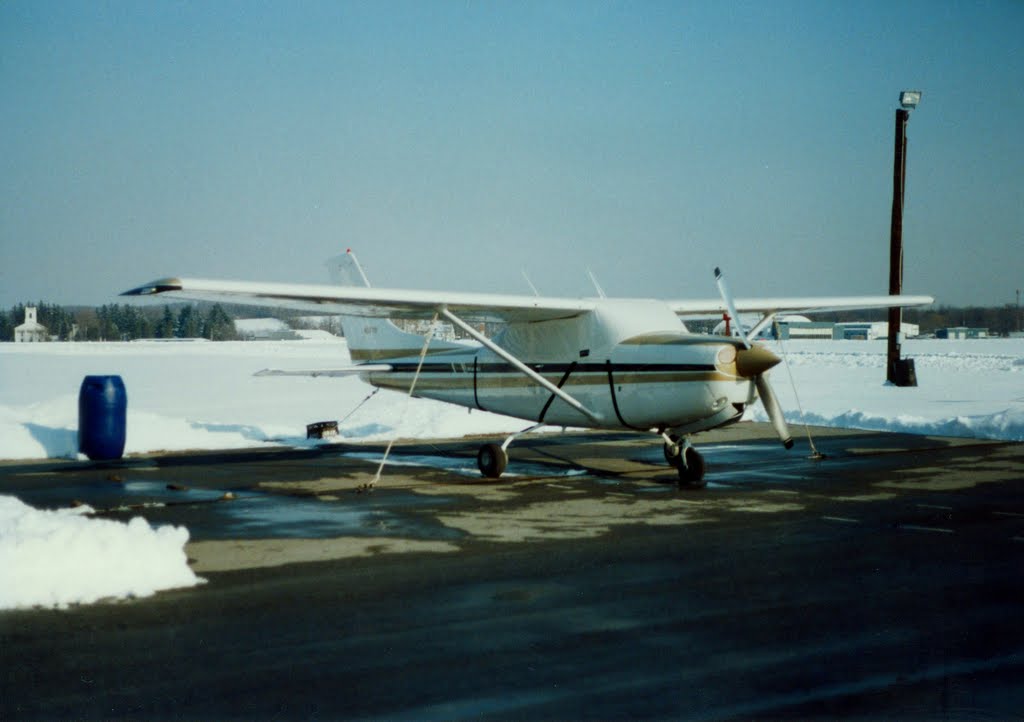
<point x="597" y="362"/>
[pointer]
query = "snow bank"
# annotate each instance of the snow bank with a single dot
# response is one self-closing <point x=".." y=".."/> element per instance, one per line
<point x="1004" y="425"/>
<point x="57" y="558"/>
<point x="971" y="389"/>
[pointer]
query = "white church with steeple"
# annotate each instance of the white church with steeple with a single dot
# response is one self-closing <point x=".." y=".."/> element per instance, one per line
<point x="31" y="331"/>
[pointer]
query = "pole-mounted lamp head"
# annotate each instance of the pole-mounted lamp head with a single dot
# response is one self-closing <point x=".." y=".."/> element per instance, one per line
<point x="909" y="99"/>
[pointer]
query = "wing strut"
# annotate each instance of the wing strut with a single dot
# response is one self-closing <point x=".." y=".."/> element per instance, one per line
<point x="523" y="368"/>
<point x="760" y="326"/>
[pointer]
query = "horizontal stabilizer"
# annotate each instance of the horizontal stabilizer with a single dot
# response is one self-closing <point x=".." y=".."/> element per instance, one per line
<point x="344" y="371"/>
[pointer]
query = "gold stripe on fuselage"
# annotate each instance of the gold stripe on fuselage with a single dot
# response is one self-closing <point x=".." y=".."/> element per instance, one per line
<point x="369" y="354"/>
<point x="671" y="338"/>
<point x="465" y="382"/>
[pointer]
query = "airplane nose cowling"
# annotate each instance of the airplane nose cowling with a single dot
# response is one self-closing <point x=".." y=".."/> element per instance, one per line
<point x="754" y="361"/>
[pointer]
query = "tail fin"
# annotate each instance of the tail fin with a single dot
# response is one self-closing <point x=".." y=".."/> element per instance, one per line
<point x="373" y="339"/>
<point x="346" y="271"/>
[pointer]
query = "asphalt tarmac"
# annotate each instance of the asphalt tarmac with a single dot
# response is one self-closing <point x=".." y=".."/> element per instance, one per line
<point x="883" y="581"/>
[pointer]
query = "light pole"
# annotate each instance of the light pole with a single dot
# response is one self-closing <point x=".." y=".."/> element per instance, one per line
<point x="899" y="372"/>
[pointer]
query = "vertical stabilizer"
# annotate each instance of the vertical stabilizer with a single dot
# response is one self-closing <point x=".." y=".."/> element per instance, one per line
<point x="345" y="270"/>
<point x="373" y="339"/>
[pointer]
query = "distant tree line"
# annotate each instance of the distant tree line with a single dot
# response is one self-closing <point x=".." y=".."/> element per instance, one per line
<point x="999" y="320"/>
<point x="123" y="322"/>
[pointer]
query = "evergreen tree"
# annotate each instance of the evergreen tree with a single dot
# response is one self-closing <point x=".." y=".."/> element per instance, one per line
<point x="218" y="326"/>
<point x="17" y="317"/>
<point x="88" y="328"/>
<point x="189" y="324"/>
<point x="135" y="323"/>
<point x="165" y="327"/>
<point x="108" y="329"/>
<point x="57" y="319"/>
<point x="6" y="327"/>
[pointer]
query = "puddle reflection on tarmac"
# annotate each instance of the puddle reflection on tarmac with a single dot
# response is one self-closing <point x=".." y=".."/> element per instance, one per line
<point x="248" y="514"/>
<point x="466" y="466"/>
<point x="257" y="513"/>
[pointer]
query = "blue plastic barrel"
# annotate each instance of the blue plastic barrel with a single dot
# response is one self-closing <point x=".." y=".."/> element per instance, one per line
<point x="102" y="415"/>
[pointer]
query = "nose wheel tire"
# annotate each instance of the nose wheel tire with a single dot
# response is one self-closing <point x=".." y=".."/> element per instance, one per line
<point x="691" y="474"/>
<point x="492" y="460"/>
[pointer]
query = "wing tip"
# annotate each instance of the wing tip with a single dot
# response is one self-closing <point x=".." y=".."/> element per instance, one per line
<point x="162" y="285"/>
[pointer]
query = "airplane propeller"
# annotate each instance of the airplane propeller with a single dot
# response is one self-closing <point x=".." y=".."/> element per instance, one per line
<point x="754" y="361"/>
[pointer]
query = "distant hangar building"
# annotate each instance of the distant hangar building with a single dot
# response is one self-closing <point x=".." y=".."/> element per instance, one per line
<point x="871" y="330"/>
<point x="961" y="332"/>
<point x="799" y="327"/>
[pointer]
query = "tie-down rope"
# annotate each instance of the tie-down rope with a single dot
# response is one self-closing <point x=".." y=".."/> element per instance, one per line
<point x="815" y="454"/>
<point x="412" y="387"/>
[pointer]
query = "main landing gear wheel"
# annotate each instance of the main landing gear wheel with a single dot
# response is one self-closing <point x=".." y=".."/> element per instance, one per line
<point x="492" y="460"/>
<point x="691" y="474"/>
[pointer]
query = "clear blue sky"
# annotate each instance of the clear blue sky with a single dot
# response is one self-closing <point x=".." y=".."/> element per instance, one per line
<point x="454" y="144"/>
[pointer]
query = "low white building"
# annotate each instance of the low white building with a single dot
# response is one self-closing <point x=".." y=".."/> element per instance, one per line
<point x="264" y="329"/>
<point x="31" y="331"/>
<point x="871" y="330"/>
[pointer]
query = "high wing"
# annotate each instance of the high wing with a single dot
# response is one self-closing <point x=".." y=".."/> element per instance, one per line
<point x="373" y="302"/>
<point x="702" y="308"/>
<point x="402" y="303"/>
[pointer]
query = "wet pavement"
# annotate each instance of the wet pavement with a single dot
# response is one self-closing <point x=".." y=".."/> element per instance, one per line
<point x="882" y="581"/>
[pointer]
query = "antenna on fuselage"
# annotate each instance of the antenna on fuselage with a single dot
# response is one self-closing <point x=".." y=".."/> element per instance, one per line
<point x="593" y="279"/>
<point x="359" y="268"/>
<point x="530" y="283"/>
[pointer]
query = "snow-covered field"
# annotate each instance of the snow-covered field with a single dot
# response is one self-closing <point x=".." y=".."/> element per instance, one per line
<point x="200" y="395"/>
<point x="197" y="395"/>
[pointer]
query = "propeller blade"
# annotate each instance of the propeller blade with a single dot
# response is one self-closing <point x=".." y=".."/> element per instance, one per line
<point x="754" y="361"/>
<point x="771" y="405"/>
<point x="723" y="290"/>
